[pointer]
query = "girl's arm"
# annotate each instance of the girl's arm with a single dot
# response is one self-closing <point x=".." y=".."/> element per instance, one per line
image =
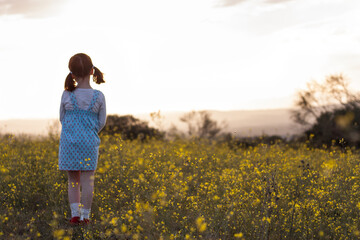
<point x="62" y="108"/>
<point x="102" y="114"/>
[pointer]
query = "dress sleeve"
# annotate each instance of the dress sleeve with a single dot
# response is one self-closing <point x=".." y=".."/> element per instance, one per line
<point x="62" y="107"/>
<point x="102" y="113"/>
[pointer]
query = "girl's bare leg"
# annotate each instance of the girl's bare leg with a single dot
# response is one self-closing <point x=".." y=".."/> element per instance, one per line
<point x="74" y="186"/>
<point x="87" y="188"/>
<point x="74" y="192"/>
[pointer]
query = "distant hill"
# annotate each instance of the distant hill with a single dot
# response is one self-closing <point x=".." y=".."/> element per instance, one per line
<point x="241" y="123"/>
<point x="27" y="126"/>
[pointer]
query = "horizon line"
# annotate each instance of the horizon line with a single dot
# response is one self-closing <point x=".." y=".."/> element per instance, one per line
<point x="143" y="113"/>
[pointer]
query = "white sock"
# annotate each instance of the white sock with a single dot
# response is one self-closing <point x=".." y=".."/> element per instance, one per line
<point x="85" y="214"/>
<point x="75" y="210"/>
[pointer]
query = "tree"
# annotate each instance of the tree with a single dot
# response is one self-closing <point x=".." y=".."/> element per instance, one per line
<point x="130" y="128"/>
<point x="340" y="127"/>
<point x="319" y="98"/>
<point x="330" y="111"/>
<point x="157" y="119"/>
<point x="201" y="125"/>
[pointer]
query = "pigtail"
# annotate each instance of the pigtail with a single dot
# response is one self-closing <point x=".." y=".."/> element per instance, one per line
<point x="98" y="76"/>
<point x="70" y="84"/>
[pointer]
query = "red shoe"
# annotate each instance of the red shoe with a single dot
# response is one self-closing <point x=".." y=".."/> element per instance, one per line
<point x="85" y="221"/>
<point x="74" y="221"/>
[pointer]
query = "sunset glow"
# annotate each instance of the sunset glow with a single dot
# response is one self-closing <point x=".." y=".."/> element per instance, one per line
<point x="175" y="55"/>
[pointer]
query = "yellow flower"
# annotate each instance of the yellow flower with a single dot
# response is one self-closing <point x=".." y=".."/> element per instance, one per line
<point x="200" y="223"/>
<point x="123" y="228"/>
<point x="59" y="233"/>
<point x="114" y="221"/>
<point x="238" y="235"/>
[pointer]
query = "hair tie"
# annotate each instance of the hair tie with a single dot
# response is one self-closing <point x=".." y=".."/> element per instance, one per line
<point x="70" y="72"/>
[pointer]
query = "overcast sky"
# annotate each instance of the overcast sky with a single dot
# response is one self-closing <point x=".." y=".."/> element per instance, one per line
<point x="172" y="55"/>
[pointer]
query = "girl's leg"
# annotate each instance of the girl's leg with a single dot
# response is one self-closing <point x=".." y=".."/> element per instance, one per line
<point x="87" y="192"/>
<point x="74" y="186"/>
<point x="74" y="192"/>
<point x="87" y="188"/>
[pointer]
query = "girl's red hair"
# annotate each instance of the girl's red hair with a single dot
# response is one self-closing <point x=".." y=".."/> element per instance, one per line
<point x="80" y="65"/>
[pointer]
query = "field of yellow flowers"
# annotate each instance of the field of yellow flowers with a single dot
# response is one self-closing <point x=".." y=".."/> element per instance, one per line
<point x="184" y="189"/>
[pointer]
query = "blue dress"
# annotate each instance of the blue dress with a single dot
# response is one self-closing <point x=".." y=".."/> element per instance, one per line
<point x="79" y="140"/>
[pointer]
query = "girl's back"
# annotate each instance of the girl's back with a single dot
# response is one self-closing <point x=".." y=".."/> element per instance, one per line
<point x="84" y="97"/>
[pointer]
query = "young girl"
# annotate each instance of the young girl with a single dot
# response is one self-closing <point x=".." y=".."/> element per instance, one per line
<point x="82" y="115"/>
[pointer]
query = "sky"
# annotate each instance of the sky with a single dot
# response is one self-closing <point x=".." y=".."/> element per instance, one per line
<point x="175" y="55"/>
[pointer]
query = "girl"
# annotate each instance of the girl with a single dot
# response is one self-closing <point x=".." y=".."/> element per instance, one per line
<point x="82" y="115"/>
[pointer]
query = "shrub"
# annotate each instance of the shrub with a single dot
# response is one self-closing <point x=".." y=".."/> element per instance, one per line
<point x="130" y="128"/>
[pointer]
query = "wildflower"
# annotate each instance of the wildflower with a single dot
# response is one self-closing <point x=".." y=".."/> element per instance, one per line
<point x="200" y="223"/>
<point x="267" y="219"/>
<point x="59" y="233"/>
<point x="238" y="235"/>
<point x="114" y="221"/>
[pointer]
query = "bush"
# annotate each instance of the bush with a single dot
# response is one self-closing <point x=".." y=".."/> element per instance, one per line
<point x="339" y="127"/>
<point x="130" y="128"/>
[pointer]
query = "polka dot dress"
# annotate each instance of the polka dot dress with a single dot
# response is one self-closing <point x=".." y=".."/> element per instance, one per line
<point x="79" y="140"/>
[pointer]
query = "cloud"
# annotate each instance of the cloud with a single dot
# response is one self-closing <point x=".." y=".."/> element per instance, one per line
<point x="31" y="8"/>
<point x="228" y="3"/>
<point x="276" y="1"/>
